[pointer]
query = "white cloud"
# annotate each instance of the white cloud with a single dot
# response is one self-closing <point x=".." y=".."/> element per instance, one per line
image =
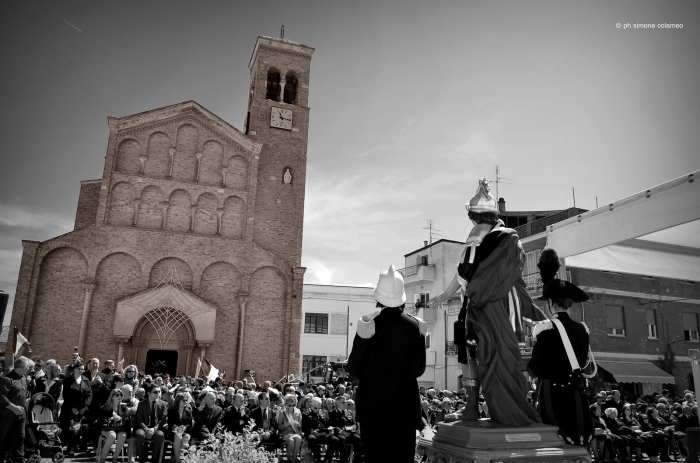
<point x="316" y="271"/>
<point x="476" y="145"/>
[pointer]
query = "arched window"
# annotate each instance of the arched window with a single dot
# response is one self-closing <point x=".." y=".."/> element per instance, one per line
<point x="273" y="85"/>
<point x="290" y="89"/>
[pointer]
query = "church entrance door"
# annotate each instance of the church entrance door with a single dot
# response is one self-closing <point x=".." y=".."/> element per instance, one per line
<point x="161" y="361"/>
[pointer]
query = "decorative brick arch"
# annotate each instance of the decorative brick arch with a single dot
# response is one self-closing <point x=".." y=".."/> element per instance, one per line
<point x="105" y="252"/>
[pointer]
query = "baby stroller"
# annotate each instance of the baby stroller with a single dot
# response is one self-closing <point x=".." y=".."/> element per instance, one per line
<point x="42" y="431"/>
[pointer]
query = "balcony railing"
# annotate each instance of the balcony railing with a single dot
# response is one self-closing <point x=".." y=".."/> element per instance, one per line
<point x="424" y="273"/>
<point x="413" y="270"/>
<point x="451" y="349"/>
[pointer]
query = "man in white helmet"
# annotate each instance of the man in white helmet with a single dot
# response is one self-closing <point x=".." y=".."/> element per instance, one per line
<point x="388" y="354"/>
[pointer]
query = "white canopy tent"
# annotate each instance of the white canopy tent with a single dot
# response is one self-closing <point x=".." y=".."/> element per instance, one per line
<point x="655" y="233"/>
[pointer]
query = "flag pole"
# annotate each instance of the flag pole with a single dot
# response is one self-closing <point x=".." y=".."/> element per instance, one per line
<point x="14" y="343"/>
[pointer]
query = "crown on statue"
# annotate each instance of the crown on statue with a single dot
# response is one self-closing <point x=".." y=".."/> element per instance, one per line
<point x="482" y="200"/>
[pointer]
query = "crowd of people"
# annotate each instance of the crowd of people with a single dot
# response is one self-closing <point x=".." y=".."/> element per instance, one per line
<point x="93" y="404"/>
<point x="101" y="408"/>
<point x="627" y="427"/>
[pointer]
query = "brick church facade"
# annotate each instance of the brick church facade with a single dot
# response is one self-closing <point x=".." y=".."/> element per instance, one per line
<point x="184" y="190"/>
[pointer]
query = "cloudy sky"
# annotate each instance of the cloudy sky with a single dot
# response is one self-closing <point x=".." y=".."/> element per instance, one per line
<point x="411" y="103"/>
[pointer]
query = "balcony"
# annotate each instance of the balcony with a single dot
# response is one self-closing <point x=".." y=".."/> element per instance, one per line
<point x="418" y="274"/>
<point x="450" y="349"/>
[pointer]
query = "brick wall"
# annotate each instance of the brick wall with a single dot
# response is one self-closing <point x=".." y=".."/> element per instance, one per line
<point x="256" y="257"/>
<point x="59" y="303"/>
<point x="87" y="203"/>
<point x="644" y="295"/>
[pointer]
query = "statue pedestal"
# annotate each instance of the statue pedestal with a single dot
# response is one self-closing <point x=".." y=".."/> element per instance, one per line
<point x="483" y="441"/>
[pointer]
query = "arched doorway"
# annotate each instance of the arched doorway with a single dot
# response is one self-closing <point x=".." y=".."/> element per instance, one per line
<point x="165" y="318"/>
<point x="161" y="361"/>
<point x="175" y="353"/>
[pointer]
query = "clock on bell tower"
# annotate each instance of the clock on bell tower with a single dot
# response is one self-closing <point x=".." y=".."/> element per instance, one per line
<point x="278" y="118"/>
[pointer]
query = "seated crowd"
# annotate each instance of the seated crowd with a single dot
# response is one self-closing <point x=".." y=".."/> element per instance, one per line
<point x="626" y="428"/>
<point x="105" y="409"/>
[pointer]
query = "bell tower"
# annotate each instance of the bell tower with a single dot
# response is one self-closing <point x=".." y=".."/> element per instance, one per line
<point x="278" y="118"/>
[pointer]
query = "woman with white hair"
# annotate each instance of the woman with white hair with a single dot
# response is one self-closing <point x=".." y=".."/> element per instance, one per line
<point x="289" y="422"/>
<point x="628" y="436"/>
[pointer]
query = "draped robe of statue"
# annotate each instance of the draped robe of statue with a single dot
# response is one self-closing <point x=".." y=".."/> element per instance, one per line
<point x="494" y="281"/>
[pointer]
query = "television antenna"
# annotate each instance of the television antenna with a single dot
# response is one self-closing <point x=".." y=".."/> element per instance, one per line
<point x="431" y="230"/>
<point x="499" y="179"/>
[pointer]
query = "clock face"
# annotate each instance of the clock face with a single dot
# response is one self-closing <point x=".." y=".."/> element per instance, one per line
<point x="281" y="118"/>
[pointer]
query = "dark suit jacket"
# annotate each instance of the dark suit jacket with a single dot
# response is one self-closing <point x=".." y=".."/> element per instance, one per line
<point x="235" y="420"/>
<point x="143" y="415"/>
<point x="205" y="421"/>
<point x="389" y="362"/>
<point x="257" y="416"/>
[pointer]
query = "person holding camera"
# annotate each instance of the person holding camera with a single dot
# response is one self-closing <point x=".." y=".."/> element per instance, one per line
<point x="13" y="414"/>
<point x="77" y="397"/>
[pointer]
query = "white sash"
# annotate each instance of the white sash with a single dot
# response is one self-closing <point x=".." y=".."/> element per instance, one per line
<point x="567" y="345"/>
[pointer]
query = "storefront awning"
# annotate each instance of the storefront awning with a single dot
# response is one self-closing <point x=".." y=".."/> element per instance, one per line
<point x="637" y="372"/>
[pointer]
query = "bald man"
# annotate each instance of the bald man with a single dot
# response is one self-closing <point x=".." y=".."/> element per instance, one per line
<point x="206" y="417"/>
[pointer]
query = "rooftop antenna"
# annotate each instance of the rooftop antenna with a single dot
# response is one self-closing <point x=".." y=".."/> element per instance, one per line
<point x="500" y="179"/>
<point x="282" y="32"/>
<point x="432" y="231"/>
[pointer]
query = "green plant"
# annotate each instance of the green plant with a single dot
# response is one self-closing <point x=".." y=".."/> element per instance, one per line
<point x="226" y="447"/>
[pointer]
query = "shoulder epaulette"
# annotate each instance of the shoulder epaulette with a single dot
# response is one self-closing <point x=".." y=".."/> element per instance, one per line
<point x="422" y="324"/>
<point x="540" y="327"/>
<point x="365" y="325"/>
<point x="586" y="327"/>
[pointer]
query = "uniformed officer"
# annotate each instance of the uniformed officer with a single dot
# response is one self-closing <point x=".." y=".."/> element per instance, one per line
<point x="388" y="355"/>
<point x="561" y="386"/>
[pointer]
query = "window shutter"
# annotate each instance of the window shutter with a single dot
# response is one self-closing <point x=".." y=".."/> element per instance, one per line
<point x="690" y="322"/>
<point x="614" y="317"/>
<point x="651" y="317"/>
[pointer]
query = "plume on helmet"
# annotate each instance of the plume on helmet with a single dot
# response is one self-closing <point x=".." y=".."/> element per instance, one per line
<point x="549" y="265"/>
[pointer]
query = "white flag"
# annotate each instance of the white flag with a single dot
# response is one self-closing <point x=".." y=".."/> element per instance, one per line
<point x="21" y="340"/>
<point x="120" y="366"/>
<point x="213" y="373"/>
<point x="199" y="367"/>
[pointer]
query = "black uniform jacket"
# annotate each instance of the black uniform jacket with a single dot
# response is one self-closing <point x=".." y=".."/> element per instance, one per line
<point x="561" y="401"/>
<point x="311" y="421"/>
<point x="387" y="365"/>
<point x="549" y="359"/>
